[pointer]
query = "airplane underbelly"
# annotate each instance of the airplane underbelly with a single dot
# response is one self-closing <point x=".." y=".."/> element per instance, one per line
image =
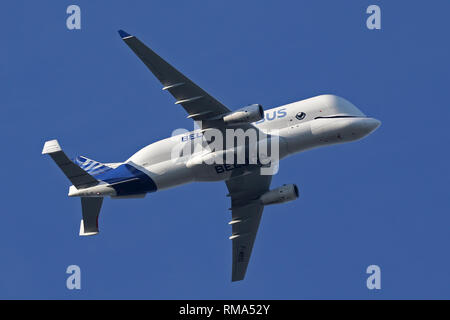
<point x="217" y="172"/>
<point x="169" y="174"/>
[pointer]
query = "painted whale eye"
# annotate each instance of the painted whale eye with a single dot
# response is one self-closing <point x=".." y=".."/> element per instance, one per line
<point x="300" y="115"/>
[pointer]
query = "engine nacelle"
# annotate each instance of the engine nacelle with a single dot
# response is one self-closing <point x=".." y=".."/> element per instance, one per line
<point x="285" y="193"/>
<point x="252" y="113"/>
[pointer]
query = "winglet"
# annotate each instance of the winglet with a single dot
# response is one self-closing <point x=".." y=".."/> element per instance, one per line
<point x="124" y="34"/>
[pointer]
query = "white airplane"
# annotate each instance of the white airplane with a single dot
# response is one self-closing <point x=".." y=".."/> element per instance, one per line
<point x="319" y="121"/>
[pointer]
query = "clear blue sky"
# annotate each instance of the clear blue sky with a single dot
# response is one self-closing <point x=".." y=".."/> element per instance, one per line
<point x="383" y="200"/>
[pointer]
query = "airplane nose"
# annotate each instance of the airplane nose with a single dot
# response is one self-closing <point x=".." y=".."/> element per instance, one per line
<point x="372" y="124"/>
<point x="343" y="129"/>
<point x="366" y="126"/>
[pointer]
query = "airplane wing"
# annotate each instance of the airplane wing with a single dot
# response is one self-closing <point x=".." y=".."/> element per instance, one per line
<point x="197" y="102"/>
<point x="246" y="215"/>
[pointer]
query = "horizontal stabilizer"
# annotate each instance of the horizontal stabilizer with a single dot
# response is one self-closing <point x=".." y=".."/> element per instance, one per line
<point x="91" y="209"/>
<point x="79" y="177"/>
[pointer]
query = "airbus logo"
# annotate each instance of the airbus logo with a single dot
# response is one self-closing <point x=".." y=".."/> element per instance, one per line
<point x="276" y="114"/>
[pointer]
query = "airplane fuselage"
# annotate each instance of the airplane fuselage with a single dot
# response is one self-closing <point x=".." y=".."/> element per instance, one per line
<point x="318" y="121"/>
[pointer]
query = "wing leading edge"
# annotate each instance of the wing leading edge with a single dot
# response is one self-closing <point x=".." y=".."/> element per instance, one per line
<point x="197" y="102"/>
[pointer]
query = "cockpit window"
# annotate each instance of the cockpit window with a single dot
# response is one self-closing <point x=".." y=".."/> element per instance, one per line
<point x="300" y="115"/>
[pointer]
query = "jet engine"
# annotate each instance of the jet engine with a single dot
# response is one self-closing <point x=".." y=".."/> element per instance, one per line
<point x="285" y="193"/>
<point x="251" y="113"/>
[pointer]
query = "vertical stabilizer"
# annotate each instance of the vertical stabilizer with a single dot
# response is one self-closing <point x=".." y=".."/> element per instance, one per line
<point x="79" y="177"/>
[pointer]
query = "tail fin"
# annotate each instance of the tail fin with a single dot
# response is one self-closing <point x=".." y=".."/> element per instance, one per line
<point x="91" y="209"/>
<point x="79" y="177"/>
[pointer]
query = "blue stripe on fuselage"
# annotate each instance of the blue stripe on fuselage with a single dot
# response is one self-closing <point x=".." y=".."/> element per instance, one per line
<point x="124" y="172"/>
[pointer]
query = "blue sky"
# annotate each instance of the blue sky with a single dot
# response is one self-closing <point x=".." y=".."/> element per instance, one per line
<point x="383" y="200"/>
